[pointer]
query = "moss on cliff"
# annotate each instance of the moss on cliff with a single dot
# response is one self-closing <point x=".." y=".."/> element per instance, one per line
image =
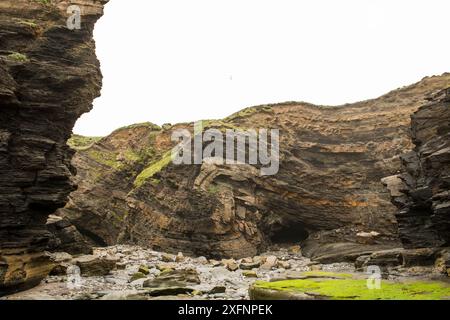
<point x="106" y="158"/>
<point x="19" y="57"/>
<point x="80" y="143"/>
<point x="153" y="168"/>
<point x="248" y="112"/>
<point x="148" y="125"/>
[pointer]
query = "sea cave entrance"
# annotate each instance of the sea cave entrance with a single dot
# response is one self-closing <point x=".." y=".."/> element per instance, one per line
<point x="291" y="232"/>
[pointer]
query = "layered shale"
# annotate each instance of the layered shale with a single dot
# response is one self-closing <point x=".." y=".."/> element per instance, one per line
<point x="49" y="76"/>
<point x="327" y="194"/>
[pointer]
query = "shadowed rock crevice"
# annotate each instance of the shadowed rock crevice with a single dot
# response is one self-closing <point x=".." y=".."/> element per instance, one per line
<point x="289" y="233"/>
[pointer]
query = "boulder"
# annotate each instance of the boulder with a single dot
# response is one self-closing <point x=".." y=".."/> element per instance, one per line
<point x="137" y="276"/>
<point x="230" y="264"/>
<point x="166" y="257"/>
<point x="144" y="270"/>
<point x="91" y="265"/>
<point x="249" y="274"/>
<point x="179" y="257"/>
<point x="217" y="290"/>
<point x="174" y="278"/>
<point x="249" y="266"/>
<point x="269" y="263"/>
<point x="294" y="250"/>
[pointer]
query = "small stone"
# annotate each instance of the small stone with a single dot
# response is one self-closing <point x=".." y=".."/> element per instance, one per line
<point x="179" y="257"/>
<point x="144" y="270"/>
<point x="316" y="267"/>
<point x="166" y="271"/>
<point x="137" y="276"/>
<point x="271" y="262"/>
<point x="249" y="266"/>
<point x="166" y="257"/>
<point x="121" y="265"/>
<point x="202" y="260"/>
<point x="217" y="289"/>
<point x="230" y="264"/>
<point x="249" y="274"/>
<point x="196" y="293"/>
<point x="215" y="263"/>
<point x="247" y="260"/>
<point x="284" y="265"/>
<point x="165" y="266"/>
<point x="241" y="212"/>
<point x="60" y="257"/>
<point x="258" y="259"/>
<point x="295" y="250"/>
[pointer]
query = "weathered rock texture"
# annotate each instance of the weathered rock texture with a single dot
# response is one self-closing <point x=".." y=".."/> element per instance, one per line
<point x="422" y="192"/>
<point x="49" y="76"/>
<point x="328" y="192"/>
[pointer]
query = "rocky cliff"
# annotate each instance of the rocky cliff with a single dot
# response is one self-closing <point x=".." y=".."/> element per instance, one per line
<point x="327" y="194"/>
<point x="422" y="192"/>
<point x="49" y="76"/>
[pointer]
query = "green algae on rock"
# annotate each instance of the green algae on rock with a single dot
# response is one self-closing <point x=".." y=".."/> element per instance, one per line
<point x="348" y="289"/>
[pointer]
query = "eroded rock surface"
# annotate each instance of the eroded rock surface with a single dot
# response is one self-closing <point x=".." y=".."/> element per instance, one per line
<point x="328" y="192"/>
<point x="49" y="76"/>
<point x="422" y="192"/>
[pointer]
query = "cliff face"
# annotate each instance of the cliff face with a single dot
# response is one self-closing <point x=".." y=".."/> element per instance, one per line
<point x="422" y="192"/>
<point x="328" y="192"/>
<point x="49" y="76"/>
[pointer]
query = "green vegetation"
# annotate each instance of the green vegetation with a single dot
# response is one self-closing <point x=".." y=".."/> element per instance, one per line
<point x="105" y="158"/>
<point x="153" y="168"/>
<point x="26" y="22"/>
<point x="217" y="124"/>
<point x="149" y="125"/>
<point x="357" y="289"/>
<point x="16" y="56"/>
<point x="80" y="143"/>
<point x="249" y="111"/>
<point x="213" y="189"/>
<point x="131" y="156"/>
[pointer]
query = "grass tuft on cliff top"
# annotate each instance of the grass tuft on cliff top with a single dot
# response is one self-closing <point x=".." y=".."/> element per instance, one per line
<point x="80" y="143"/>
<point x="356" y="289"/>
<point x="147" y="124"/>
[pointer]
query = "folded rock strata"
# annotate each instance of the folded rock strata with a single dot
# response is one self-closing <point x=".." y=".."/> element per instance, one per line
<point x="328" y="192"/>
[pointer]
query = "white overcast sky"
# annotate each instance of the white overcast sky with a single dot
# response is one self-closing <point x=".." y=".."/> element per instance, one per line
<point x="183" y="60"/>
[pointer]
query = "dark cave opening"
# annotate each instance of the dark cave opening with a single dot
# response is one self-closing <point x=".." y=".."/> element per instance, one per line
<point x="289" y="233"/>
